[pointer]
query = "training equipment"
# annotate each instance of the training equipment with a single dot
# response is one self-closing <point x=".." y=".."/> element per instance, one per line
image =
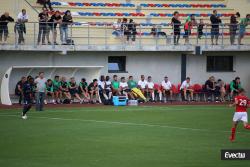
<point x="120" y="100"/>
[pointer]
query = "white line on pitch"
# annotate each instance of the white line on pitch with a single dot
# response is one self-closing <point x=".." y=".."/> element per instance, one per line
<point x="127" y="123"/>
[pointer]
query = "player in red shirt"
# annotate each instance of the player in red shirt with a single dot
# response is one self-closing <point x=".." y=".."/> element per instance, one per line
<point x="241" y="103"/>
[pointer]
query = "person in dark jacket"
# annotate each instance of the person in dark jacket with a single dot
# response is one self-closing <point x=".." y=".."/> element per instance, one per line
<point x="233" y="27"/>
<point x="132" y="30"/>
<point x="4" y="20"/>
<point x="46" y="4"/>
<point x="215" y="30"/>
<point x="176" y="23"/>
<point x="67" y="19"/>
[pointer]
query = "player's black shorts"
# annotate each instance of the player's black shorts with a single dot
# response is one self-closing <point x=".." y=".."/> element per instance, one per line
<point x="27" y="100"/>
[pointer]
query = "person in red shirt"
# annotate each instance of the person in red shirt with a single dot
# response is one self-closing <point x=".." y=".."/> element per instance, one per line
<point x="242" y="103"/>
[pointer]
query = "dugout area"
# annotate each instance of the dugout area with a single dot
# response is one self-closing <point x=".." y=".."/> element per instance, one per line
<point x="14" y="74"/>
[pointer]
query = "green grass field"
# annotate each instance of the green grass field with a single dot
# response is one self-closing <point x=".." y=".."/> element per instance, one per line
<point x="174" y="136"/>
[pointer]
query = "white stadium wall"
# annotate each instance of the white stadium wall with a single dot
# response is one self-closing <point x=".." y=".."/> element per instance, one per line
<point x="156" y="64"/>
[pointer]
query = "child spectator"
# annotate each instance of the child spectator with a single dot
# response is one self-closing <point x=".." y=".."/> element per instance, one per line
<point x="93" y="91"/>
<point x="22" y="18"/>
<point x="4" y="20"/>
<point x="115" y="86"/>
<point x="56" y="88"/>
<point x="73" y="89"/>
<point x="233" y="27"/>
<point x="43" y="27"/>
<point x="67" y="20"/>
<point x="243" y="24"/>
<point x="200" y="28"/>
<point x="117" y="28"/>
<point x="53" y="21"/>
<point x="83" y="90"/>
<point x="50" y="91"/>
<point x="176" y="23"/>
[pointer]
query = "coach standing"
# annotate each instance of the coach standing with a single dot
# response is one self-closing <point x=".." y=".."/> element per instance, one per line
<point x="40" y="91"/>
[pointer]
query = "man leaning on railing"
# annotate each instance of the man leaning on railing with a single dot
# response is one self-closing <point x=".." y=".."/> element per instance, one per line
<point x="22" y="18"/>
<point x="4" y="20"/>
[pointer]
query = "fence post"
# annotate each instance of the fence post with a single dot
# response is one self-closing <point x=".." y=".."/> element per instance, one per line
<point x="106" y="46"/>
<point x="88" y="36"/>
<point x="222" y="37"/>
<point x="206" y="36"/>
<point x="35" y="44"/>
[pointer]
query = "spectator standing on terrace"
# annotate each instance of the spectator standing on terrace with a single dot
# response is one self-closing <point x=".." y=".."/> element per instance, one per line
<point x="188" y="27"/>
<point x="124" y="28"/>
<point x="243" y="24"/>
<point x="40" y="91"/>
<point x="233" y="27"/>
<point x="132" y="30"/>
<point x="4" y="20"/>
<point x="46" y="4"/>
<point x="22" y="18"/>
<point x="66" y="21"/>
<point x="176" y="27"/>
<point x="117" y="28"/>
<point x="53" y="21"/>
<point x="200" y="28"/>
<point x="43" y="27"/>
<point x="215" y="30"/>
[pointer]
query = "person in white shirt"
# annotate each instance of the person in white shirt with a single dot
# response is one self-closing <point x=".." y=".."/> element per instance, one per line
<point x="101" y="86"/>
<point x="124" y="89"/>
<point x="108" y="87"/>
<point x="150" y="87"/>
<point x="142" y="84"/>
<point x="167" y="88"/>
<point x="117" y="28"/>
<point x="186" y="88"/>
<point x="40" y="91"/>
<point x="22" y="18"/>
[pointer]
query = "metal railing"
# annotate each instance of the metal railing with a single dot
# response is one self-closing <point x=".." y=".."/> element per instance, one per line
<point x="104" y="34"/>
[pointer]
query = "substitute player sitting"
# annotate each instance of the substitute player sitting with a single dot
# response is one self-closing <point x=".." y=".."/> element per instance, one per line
<point x="186" y="88"/>
<point x="150" y="89"/>
<point x="242" y="103"/>
<point x="167" y="88"/>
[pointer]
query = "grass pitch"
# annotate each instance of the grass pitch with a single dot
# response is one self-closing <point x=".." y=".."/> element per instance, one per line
<point x="174" y="136"/>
